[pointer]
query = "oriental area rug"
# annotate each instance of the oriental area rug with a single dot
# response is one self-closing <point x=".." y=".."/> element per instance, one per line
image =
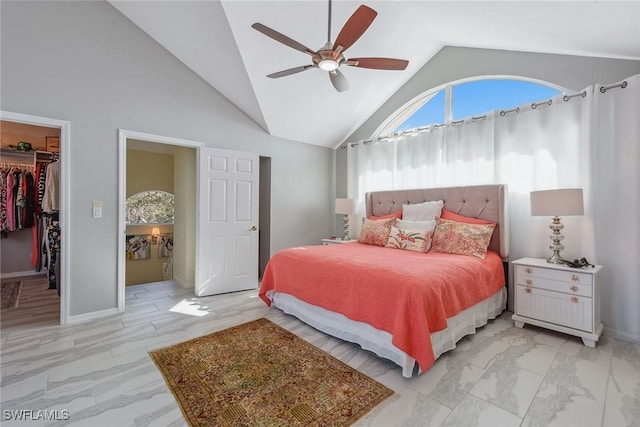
<point x="258" y="373"/>
<point x="9" y="294"/>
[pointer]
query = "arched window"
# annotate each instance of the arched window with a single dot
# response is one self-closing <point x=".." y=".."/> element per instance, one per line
<point x="466" y="98"/>
<point x="149" y="207"/>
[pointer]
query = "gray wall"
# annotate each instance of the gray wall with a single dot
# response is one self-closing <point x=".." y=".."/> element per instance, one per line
<point x="86" y="63"/>
<point x="455" y="63"/>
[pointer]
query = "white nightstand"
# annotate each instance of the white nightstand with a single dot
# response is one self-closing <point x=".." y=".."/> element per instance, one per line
<point x="336" y="241"/>
<point x="558" y="297"/>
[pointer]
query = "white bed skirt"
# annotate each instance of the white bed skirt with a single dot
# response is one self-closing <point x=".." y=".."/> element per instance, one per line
<point x="369" y="338"/>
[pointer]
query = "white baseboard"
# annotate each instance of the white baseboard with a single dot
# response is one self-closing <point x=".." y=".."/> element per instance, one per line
<point x="624" y="336"/>
<point x="78" y="318"/>
<point x="182" y="283"/>
<point x="22" y="273"/>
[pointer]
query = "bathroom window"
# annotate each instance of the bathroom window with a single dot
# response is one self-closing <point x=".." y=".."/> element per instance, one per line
<point x="150" y="207"/>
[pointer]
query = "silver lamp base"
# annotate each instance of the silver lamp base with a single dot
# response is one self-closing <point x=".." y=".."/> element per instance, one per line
<point x="556" y="238"/>
<point x="345" y="226"/>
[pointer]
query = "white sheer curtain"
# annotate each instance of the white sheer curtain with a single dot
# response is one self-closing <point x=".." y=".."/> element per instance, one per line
<point x="549" y="147"/>
<point x="616" y="190"/>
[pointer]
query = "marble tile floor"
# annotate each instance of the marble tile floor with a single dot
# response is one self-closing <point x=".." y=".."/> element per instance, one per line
<point x="101" y="374"/>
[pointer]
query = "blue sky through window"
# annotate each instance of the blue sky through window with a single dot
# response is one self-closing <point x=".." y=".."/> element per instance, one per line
<point x="430" y="113"/>
<point x="476" y="97"/>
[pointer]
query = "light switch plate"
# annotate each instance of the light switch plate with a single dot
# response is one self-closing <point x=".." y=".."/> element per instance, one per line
<point x="96" y="208"/>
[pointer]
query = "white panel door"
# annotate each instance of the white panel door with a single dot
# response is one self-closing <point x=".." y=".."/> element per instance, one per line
<point x="227" y="241"/>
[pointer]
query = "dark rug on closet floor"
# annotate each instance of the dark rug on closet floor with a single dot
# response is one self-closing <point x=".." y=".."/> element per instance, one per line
<point x="10" y="294"/>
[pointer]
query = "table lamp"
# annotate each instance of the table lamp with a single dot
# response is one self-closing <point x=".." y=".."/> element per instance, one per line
<point x="557" y="203"/>
<point x="346" y="207"/>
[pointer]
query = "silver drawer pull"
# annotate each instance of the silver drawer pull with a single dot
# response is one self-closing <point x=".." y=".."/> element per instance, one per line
<point x="528" y="270"/>
<point x="574" y="288"/>
<point x="575" y="278"/>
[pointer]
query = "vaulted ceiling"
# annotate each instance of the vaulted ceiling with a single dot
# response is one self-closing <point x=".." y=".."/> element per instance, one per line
<point x="214" y="38"/>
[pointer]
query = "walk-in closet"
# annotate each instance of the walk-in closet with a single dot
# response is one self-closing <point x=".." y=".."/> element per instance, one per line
<point x="29" y="223"/>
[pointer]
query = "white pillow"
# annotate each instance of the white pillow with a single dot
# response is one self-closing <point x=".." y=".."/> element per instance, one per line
<point x="426" y="211"/>
<point x="407" y="224"/>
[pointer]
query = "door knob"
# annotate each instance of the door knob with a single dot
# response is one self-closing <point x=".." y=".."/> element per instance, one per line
<point x="254" y="228"/>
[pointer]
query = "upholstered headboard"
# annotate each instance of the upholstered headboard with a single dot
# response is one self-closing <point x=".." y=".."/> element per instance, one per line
<point x="480" y="201"/>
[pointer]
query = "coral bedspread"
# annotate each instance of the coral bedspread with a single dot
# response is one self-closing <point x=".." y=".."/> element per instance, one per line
<point x="407" y="294"/>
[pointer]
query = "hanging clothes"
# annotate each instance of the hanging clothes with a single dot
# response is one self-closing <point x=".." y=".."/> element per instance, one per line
<point x="53" y="248"/>
<point x="11" y="196"/>
<point x="3" y="200"/>
<point x="29" y="207"/>
<point x="51" y="199"/>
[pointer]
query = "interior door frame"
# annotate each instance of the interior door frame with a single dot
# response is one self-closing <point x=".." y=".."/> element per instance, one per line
<point x="123" y="135"/>
<point x="65" y="200"/>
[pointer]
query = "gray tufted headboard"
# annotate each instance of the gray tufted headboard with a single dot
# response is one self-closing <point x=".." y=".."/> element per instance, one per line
<point x="480" y="201"/>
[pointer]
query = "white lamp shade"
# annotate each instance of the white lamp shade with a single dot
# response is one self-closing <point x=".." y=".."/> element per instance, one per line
<point x="155" y="231"/>
<point x="346" y="206"/>
<point x="565" y="202"/>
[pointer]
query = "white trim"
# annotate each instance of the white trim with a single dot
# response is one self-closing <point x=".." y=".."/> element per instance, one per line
<point x="65" y="199"/>
<point x="624" y="336"/>
<point x="21" y="274"/>
<point x="123" y="135"/>
<point x="182" y="283"/>
<point x="84" y="317"/>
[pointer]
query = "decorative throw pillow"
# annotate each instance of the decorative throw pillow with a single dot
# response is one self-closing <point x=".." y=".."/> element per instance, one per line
<point x="376" y="232"/>
<point x="452" y="216"/>
<point x="407" y="224"/>
<point x="410" y="240"/>
<point x="426" y="211"/>
<point x="462" y="238"/>
<point x="388" y="216"/>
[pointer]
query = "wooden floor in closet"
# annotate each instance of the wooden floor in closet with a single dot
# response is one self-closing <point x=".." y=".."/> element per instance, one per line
<point x="37" y="305"/>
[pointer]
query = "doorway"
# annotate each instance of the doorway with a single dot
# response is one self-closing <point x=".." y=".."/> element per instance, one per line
<point x="186" y="186"/>
<point x="59" y="141"/>
<point x="160" y="188"/>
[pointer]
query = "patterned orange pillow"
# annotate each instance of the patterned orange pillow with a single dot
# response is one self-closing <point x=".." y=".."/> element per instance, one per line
<point x="462" y="238"/>
<point x="410" y="240"/>
<point x="452" y="216"/>
<point x="387" y="216"/>
<point x="376" y="232"/>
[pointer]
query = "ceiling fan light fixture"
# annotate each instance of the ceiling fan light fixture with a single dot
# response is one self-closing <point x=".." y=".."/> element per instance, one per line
<point x="328" y="65"/>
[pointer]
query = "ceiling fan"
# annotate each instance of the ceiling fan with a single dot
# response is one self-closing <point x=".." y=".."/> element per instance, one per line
<point x="331" y="56"/>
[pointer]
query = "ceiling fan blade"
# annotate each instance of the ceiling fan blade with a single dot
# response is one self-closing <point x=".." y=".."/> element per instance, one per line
<point x="355" y="27"/>
<point x="290" y="71"/>
<point x="378" y="63"/>
<point x="282" y="38"/>
<point x="338" y="80"/>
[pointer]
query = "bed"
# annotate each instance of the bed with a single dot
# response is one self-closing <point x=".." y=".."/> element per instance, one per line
<point x="408" y="307"/>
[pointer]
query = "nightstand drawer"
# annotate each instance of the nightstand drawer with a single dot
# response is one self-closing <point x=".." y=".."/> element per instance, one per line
<point x="583" y="288"/>
<point x="553" y="307"/>
<point x="547" y="273"/>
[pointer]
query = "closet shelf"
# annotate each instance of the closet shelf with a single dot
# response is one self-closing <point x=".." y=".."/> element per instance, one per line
<point x="37" y="154"/>
<point x="9" y="152"/>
